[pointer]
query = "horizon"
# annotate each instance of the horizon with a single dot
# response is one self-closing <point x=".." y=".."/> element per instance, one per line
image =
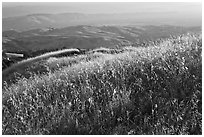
<point x="12" y="9"/>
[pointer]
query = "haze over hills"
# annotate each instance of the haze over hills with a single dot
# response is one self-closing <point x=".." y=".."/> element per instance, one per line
<point x="25" y="8"/>
<point x="26" y="16"/>
<point x="35" y="21"/>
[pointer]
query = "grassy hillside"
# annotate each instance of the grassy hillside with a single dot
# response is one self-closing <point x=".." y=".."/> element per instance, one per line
<point x="152" y="90"/>
<point x="21" y="66"/>
<point x="52" y="61"/>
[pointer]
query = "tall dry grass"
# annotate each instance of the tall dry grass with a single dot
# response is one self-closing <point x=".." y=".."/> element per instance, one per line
<point x="152" y="90"/>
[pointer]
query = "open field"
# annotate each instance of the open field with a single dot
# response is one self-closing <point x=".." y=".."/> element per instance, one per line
<point x="142" y="90"/>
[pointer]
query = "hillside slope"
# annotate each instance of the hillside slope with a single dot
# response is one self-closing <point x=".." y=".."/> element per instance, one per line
<point x="145" y="90"/>
<point x="86" y="37"/>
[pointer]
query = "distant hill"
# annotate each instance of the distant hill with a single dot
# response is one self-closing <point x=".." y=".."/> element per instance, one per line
<point x="38" y="21"/>
<point x="86" y="37"/>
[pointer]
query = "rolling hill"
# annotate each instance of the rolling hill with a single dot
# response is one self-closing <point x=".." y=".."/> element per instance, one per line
<point x="60" y="20"/>
<point x="151" y="90"/>
<point x="86" y="37"/>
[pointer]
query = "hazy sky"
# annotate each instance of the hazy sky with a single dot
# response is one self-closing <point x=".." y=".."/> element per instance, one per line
<point x="21" y="8"/>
